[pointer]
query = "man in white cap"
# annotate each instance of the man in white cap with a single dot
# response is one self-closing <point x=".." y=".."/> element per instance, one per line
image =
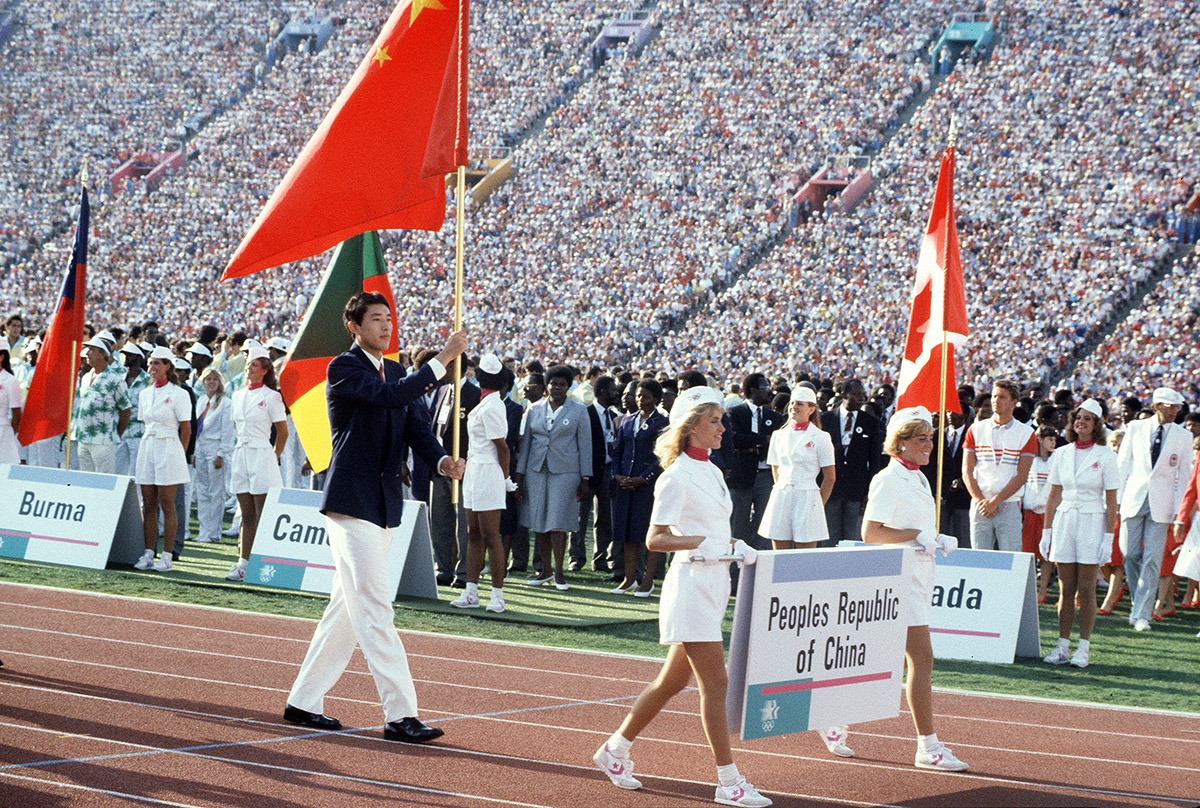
<point x="1155" y="462"/>
<point x="102" y="410"/>
<point x="137" y="380"/>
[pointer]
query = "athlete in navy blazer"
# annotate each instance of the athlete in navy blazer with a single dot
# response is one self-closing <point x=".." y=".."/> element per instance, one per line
<point x="373" y="423"/>
<point x="375" y="414"/>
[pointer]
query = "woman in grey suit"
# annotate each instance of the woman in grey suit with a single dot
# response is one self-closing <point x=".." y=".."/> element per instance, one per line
<point x="554" y="471"/>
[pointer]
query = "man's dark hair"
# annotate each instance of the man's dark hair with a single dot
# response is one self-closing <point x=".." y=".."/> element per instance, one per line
<point x="754" y="380"/>
<point x="693" y="378"/>
<point x="238" y="338"/>
<point x="845" y="386"/>
<point x="654" y="387"/>
<point x="357" y="305"/>
<point x="560" y="371"/>
<point x="534" y="366"/>
<point x="601" y="383"/>
<point x="208" y="334"/>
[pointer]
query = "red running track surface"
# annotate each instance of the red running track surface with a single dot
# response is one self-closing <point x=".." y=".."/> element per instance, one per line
<point x="118" y="701"/>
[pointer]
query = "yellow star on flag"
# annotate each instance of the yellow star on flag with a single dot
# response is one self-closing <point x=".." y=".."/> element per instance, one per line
<point x="381" y="55"/>
<point x="420" y="5"/>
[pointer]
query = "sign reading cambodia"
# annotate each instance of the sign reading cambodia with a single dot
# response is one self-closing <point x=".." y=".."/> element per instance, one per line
<point x="68" y="517"/>
<point x="291" y="547"/>
<point x="818" y="639"/>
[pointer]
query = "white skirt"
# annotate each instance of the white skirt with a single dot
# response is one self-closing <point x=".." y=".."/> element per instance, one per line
<point x="1187" y="565"/>
<point x="794" y="514"/>
<point x="483" y="486"/>
<point x="1080" y="538"/>
<point x="693" y="603"/>
<point x="920" y="604"/>
<point x="254" y="470"/>
<point x="161" y="461"/>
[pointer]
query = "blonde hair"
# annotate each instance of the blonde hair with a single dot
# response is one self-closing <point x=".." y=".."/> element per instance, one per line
<point x="909" y="429"/>
<point x="211" y="371"/>
<point x="673" y="441"/>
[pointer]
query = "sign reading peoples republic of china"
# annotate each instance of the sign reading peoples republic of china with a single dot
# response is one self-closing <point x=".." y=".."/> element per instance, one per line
<point x="818" y="639"/>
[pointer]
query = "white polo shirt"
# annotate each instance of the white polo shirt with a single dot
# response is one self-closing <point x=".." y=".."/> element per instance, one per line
<point x="998" y="449"/>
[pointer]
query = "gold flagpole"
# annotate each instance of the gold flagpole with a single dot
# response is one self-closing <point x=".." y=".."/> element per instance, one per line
<point x="459" y="248"/>
<point x="75" y="348"/>
<point x="942" y="378"/>
<point x="71" y="398"/>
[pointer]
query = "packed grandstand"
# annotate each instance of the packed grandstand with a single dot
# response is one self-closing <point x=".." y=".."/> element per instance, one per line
<point x="654" y="214"/>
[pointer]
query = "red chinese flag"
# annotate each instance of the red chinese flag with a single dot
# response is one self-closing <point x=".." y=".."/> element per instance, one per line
<point x="939" y="306"/>
<point x="48" y="406"/>
<point x="379" y="159"/>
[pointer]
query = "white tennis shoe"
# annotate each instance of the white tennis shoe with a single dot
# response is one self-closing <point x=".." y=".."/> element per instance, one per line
<point x="619" y="769"/>
<point x="741" y="793"/>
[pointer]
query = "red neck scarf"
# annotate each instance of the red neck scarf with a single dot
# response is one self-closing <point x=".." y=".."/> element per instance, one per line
<point x="255" y="385"/>
<point x="907" y="463"/>
<point x="160" y="382"/>
<point x="696" y="453"/>
<point x="485" y="393"/>
<point x="1080" y="445"/>
<point x="801" y="427"/>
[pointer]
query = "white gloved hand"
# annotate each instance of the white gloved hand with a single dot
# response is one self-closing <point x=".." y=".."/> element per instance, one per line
<point x="1044" y="544"/>
<point x="928" y="542"/>
<point x="749" y="554"/>
<point x="947" y="543"/>
<point x="509" y="485"/>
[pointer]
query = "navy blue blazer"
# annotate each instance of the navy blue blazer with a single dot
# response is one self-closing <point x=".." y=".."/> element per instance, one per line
<point x="633" y="456"/>
<point x="374" y="423"/>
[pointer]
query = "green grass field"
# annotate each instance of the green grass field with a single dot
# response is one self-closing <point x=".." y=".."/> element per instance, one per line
<point x="1157" y="670"/>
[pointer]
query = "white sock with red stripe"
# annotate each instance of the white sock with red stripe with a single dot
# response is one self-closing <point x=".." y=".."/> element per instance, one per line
<point x="926" y="743"/>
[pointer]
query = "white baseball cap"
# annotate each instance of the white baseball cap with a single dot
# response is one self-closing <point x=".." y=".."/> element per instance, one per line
<point x="257" y="352"/>
<point x="490" y="363"/>
<point x="163" y="352"/>
<point x="691" y="400"/>
<point x="132" y="349"/>
<point x="199" y="348"/>
<point x="803" y="393"/>
<point x="908" y="415"/>
<point x="1165" y="395"/>
<point x="96" y="342"/>
<point x="1093" y="406"/>
<point x="279" y="344"/>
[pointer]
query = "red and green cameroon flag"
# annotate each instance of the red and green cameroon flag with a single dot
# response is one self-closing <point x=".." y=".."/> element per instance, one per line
<point x="356" y="266"/>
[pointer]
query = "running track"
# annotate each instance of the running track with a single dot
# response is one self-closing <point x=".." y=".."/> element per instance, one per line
<point x="117" y="701"/>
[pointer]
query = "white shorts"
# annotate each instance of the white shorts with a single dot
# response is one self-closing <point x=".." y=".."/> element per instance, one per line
<point x="921" y="595"/>
<point x="692" y="607"/>
<point x="161" y="461"/>
<point x="1080" y="538"/>
<point x="794" y="514"/>
<point x="483" y="487"/>
<point x="254" y="471"/>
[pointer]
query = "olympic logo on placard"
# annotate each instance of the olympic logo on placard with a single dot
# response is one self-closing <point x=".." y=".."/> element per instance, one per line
<point x="267" y="573"/>
<point x="770" y="713"/>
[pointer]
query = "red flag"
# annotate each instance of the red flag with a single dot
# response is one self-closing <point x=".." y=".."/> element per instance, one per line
<point x="48" y="406"/>
<point x="939" y="306"/>
<point x="379" y="159"/>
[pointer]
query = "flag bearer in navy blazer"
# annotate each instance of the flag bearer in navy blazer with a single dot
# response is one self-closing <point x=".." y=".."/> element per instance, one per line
<point x="375" y="416"/>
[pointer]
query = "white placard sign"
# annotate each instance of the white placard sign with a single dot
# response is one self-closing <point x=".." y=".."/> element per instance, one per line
<point x="291" y="549"/>
<point x="818" y="639"/>
<point x="984" y="606"/>
<point x="76" y="518"/>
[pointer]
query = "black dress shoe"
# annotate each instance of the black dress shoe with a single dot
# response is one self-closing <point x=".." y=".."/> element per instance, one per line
<point x="599" y="566"/>
<point x="444" y="580"/>
<point x="575" y="566"/>
<point x="458" y="583"/>
<point x="305" y="718"/>
<point x="410" y="730"/>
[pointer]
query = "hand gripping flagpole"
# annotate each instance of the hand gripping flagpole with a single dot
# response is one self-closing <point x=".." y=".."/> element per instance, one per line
<point x="945" y="361"/>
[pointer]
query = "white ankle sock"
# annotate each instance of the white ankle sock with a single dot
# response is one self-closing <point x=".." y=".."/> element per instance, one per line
<point x="1084" y="645"/>
<point x="497" y="593"/>
<point x="927" y="742"/>
<point x="473" y="590"/>
<point x="1064" y="643"/>
<point x="619" y="744"/>
<point x="728" y="775"/>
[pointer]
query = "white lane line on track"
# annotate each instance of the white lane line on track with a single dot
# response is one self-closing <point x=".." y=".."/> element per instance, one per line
<point x="249" y="636"/>
<point x="93" y="790"/>
<point x="105" y="596"/>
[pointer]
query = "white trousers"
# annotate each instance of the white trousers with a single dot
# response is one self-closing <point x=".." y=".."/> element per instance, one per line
<point x="360" y="609"/>
<point x="210" y="494"/>
<point x="97" y="457"/>
<point x="127" y="452"/>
